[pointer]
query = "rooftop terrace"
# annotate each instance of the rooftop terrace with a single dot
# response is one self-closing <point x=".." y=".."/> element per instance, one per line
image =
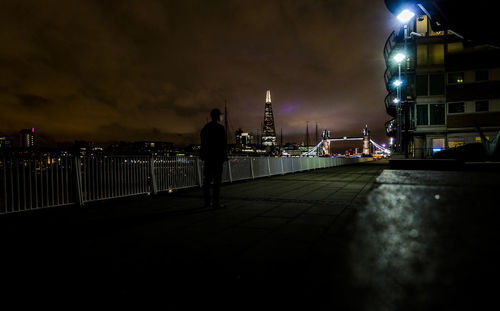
<point x="336" y="237"/>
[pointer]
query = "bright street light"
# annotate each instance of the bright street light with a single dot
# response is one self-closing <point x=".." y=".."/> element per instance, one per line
<point x="397" y="83"/>
<point x="396" y="101"/>
<point x="399" y="57"/>
<point x="405" y="16"/>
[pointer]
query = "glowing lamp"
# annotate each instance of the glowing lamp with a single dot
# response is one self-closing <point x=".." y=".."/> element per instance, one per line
<point x="396" y="100"/>
<point x="405" y="16"/>
<point x="397" y="83"/>
<point x="398" y="58"/>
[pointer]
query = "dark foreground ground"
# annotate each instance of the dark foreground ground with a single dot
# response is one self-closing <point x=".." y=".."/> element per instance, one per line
<point x="359" y="237"/>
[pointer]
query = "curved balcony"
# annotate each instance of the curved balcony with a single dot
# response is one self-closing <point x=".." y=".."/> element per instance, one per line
<point x="393" y="43"/>
<point x="390" y="107"/>
<point x="392" y="71"/>
<point x="389" y="75"/>
<point x="391" y="127"/>
<point x="390" y="44"/>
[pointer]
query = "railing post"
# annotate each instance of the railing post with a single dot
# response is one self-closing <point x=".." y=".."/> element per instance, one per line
<point x="198" y="169"/>
<point x="154" y="188"/>
<point x="77" y="175"/>
<point x="282" y="170"/>
<point x="251" y="168"/>
<point x="4" y="181"/>
<point x="229" y="170"/>
<point x="268" y="167"/>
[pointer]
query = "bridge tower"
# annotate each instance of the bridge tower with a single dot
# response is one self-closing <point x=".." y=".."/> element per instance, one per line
<point x="268" y="131"/>
<point x="325" y="147"/>
<point x="366" y="141"/>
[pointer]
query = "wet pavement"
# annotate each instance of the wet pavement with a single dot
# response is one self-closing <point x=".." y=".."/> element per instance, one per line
<point x="360" y="237"/>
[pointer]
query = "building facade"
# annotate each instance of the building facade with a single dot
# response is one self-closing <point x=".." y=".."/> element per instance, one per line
<point x="27" y="138"/>
<point x="268" y="130"/>
<point x="5" y="143"/>
<point x="451" y="89"/>
<point x="243" y="138"/>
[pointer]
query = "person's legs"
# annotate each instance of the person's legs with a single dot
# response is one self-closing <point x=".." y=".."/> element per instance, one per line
<point x="217" y="175"/>
<point x="207" y="179"/>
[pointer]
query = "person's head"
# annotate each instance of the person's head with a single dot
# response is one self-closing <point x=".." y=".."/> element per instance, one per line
<point x="215" y="115"/>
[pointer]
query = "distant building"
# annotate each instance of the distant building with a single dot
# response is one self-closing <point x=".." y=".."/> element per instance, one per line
<point x="27" y="139"/>
<point x="143" y="148"/>
<point x="268" y="131"/>
<point x="243" y="138"/>
<point x="5" y="143"/>
<point x="84" y="148"/>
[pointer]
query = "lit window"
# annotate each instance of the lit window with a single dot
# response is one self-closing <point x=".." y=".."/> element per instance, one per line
<point x="456" y="142"/>
<point x="436" y="54"/>
<point x="482" y="106"/>
<point x="455" y="47"/>
<point x="478" y="139"/>
<point x="456" y="77"/>
<point x="422" y="55"/>
<point x="456" y="108"/>
<point x="437" y="144"/>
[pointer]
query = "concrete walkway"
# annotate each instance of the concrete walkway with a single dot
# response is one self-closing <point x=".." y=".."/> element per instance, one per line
<point x="325" y="239"/>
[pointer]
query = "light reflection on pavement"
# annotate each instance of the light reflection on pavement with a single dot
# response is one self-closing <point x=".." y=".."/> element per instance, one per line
<point x="416" y="245"/>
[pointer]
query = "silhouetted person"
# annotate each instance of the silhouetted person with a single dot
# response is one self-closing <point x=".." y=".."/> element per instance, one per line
<point x="213" y="153"/>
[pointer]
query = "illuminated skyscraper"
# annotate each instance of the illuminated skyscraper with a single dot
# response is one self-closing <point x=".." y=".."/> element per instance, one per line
<point x="27" y="138"/>
<point x="268" y="131"/>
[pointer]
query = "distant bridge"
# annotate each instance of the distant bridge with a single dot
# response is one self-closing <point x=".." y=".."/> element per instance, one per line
<point x="323" y="146"/>
<point x="319" y="150"/>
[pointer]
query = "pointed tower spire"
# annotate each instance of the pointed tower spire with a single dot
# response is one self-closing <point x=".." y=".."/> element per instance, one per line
<point x="316" y="134"/>
<point x="281" y="139"/>
<point x="366" y="141"/>
<point x="307" y="134"/>
<point x="268" y="130"/>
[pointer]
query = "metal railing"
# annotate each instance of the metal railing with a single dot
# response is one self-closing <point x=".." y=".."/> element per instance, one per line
<point x="41" y="182"/>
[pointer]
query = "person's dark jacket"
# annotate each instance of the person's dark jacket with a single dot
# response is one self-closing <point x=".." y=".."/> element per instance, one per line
<point x="213" y="142"/>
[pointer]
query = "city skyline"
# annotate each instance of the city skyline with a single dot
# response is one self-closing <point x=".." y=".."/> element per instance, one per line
<point x="129" y="71"/>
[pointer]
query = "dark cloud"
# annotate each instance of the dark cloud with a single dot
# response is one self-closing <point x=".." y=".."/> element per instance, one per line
<point x="79" y="68"/>
<point x="117" y="132"/>
<point x="32" y="101"/>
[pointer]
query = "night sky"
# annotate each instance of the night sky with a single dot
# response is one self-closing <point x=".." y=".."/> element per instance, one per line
<point x="153" y="69"/>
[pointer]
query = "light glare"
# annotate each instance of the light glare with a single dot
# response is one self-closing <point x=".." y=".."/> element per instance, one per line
<point x="405" y="16"/>
<point x="397" y="83"/>
<point x="399" y="57"/>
